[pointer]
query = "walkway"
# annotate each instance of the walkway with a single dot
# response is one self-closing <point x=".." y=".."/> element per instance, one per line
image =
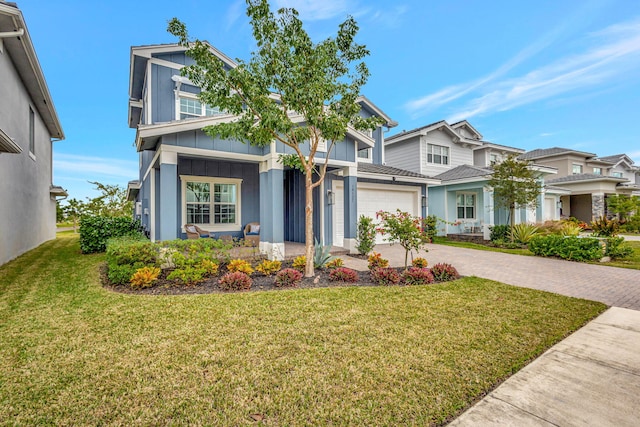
<point x="619" y="287"/>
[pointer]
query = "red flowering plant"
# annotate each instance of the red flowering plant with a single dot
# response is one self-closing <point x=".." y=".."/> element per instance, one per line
<point x="405" y="229"/>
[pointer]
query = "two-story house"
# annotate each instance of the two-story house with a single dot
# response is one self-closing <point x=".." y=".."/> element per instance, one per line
<point x="188" y="177"/>
<point x="28" y="125"/>
<point x="457" y="155"/>
<point x="588" y="178"/>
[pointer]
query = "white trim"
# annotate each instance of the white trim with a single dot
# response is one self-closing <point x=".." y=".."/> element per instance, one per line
<point x="8" y="145"/>
<point x="147" y="93"/>
<point x="323" y="198"/>
<point x="391" y="178"/>
<point x="212" y="154"/>
<point x="152" y="207"/>
<point x="166" y="64"/>
<point x="237" y="226"/>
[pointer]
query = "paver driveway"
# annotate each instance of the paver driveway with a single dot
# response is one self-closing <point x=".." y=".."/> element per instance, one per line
<point x="619" y="287"/>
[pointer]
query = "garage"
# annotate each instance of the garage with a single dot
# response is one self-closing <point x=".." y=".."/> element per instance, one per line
<point x="371" y="199"/>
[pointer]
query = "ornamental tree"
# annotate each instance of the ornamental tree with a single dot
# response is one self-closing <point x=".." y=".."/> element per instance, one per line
<point x="291" y="90"/>
<point x="515" y="185"/>
<point x="405" y="229"/>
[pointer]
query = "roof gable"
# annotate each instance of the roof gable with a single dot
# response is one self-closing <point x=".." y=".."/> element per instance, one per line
<point x="465" y="124"/>
<point x="540" y="153"/>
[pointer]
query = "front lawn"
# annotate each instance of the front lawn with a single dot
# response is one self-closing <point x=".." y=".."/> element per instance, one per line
<point x="74" y="353"/>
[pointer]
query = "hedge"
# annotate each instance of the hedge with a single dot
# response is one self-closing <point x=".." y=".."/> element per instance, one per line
<point x="570" y="247"/>
<point x="96" y="230"/>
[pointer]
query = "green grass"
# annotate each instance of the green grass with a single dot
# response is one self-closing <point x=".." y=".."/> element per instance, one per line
<point x="74" y="353"/>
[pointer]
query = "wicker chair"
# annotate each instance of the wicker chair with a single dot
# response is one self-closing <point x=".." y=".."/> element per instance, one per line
<point x="195" y="232"/>
<point x="252" y="233"/>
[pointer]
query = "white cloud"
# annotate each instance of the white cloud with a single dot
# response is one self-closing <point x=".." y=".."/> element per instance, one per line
<point x="546" y="134"/>
<point x="94" y="168"/>
<point x="314" y="10"/>
<point x="234" y="12"/>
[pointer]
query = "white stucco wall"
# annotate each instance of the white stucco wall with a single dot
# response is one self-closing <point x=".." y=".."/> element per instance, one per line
<point x="27" y="211"/>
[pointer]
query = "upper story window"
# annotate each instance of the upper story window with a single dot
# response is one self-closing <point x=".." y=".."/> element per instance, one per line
<point x="576" y="169"/>
<point x="364" y="154"/>
<point x="616" y="174"/>
<point x="493" y="158"/>
<point x="597" y="171"/>
<point x="437" y="154"/>
<point x="32" y="132"/>
<point x="192" y="107"/>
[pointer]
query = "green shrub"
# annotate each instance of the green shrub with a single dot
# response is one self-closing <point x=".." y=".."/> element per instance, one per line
<point x="604" y="227"/>
<point x="632" y="225"/>
<point x="499" y="232"/>
<point x="125" y="255"/>
<point x="366" y="239"/>
<point x="235" y="281"/>
<point x="335" y="263"/>
<point x="96" y="230"/>
<point x="417" y="276"/>
<point x="570" y="248"/>
<point x="188" y="275"/>
<point x="430" y="226"/>
<point x="385" y="276"/>
<point x="121" y="274"/>
<point x="288" y="278"/>
<point x="193" y="251"/>
<point x="268" y="268"/>
<point x="443" y="272"/>
<point x="570" y="229"/>
<point x="616" y="248"/>
<point x="343" y="274"/>
<point x="523" y="233"/>
<point x="299" y="263"/>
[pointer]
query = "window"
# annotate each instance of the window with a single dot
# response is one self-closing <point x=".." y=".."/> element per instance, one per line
<point x="576" y="169"/>
<point x="466" y="205"/>
<point x="32" y="132"/>
<point x="597" y="171"/>
<point x="616" y="174"/>
<point x="493" y="158"/>
<point x="192" y="107"/>
<point x="437" y="154"/>
<point x="364" y="154"/>
<point x="211" y="201"/>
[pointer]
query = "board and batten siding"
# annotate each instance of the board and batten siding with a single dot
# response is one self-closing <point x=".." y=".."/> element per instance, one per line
<point x="404" y="155"/>
<point x="199" y="139"/>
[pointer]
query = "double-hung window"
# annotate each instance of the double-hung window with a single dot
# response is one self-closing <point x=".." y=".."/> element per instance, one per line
<point x="466" y="205"/>
<point x="576" y="169"/>
<point x="437" y="154"/>
<point x="213" y="202"/>
<point x="597" y="171"/>
<point x="190" y="106"/>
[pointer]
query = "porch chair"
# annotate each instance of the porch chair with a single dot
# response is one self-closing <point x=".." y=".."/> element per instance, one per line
<point x="252" y="233"/>
<point x="195" y="232"/>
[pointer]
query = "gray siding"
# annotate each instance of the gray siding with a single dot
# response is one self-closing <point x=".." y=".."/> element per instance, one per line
<point x="404" y="155"/>
<point x="199" y="139"/>
<point x="343" y="151"/>
<point x="27" y="211"/>
<point x="162" y="95"/>
<point x="379" y="147"/>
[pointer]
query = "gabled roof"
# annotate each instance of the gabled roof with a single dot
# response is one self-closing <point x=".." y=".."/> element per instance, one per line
<point x="550" y="152"/>
<point x="584" y="177"/>
<point x="464" y="123"/>
<point x="491" y="145"/>
<point x="376" y="110"/>
<point x="24" y="58"/>
<point x="617" y="159"/>
<point x="423" y="130"/>
<point x="395" y="173"/>
<point x="464" y="172"/>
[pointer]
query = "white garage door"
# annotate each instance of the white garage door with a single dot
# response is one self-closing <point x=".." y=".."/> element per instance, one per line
<point x="371" y="199"/>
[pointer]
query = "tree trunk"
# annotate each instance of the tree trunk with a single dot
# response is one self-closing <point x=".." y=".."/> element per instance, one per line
<point x="512" y="220"/>
<point x="308" y="223"/>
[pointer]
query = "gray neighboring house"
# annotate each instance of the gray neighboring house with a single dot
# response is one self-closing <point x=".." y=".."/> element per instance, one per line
<point x="28" y="125"/>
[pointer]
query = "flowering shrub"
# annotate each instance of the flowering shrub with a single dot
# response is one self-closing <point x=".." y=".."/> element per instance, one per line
<point x="144" y="277"/>
<point x="343" y="274"/>
<point x="403" y="228"/>
<point x="300" y="262"/>
<point x="417" y="276"/>
<point x="335" y="263"/>
<point x="268" y="268"/>
<point x="239" y="265"/>
<point x="444" y="272"/>
<point x="419" y="262"/>
<point x="235" y="281"/>
<point x="385" y="276"/>
<point x="288" y="278"/>
<point x="376" y="261"/>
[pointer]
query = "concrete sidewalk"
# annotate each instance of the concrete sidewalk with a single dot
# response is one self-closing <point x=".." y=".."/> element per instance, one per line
<point x="592" y="378"/>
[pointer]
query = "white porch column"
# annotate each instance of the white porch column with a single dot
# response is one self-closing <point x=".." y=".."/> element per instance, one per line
<point x="488" y="212"/>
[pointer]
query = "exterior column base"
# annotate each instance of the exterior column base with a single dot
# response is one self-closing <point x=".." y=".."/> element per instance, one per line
<point x="273" y="251"/>
<point x="350" y="244"/>
<point x="486" y="231"/>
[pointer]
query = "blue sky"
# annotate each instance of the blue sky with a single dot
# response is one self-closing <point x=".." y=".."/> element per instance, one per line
<point x="529" y="74"/>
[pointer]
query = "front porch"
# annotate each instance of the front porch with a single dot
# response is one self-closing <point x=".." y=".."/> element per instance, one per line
<point x="467" y="237"/>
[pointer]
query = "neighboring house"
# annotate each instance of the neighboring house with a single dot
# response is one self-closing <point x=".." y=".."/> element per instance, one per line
<point x="588" y="178"/>
<point x="221" y="185"/>
<point x="457" y="156"/>
<point x="28" y="124"/>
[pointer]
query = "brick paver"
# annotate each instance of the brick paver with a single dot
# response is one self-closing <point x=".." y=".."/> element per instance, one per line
<point x="619" y="287"/>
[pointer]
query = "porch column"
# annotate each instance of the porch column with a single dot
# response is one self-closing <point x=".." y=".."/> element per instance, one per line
<point x="488" y="212"/>
<point x="350" y="208"/>
<point x="272" y="209"/>
<point x="597" y="205"/>
<point x="168" y="197"/>
<point x="424" y="209"/>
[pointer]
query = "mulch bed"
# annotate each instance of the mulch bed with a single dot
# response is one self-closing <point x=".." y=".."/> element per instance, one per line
<point x="210" y="285"/>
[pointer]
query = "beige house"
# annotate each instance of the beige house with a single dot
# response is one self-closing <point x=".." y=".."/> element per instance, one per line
<point x="28" y="125"/>
<point x="589" y="179"/>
